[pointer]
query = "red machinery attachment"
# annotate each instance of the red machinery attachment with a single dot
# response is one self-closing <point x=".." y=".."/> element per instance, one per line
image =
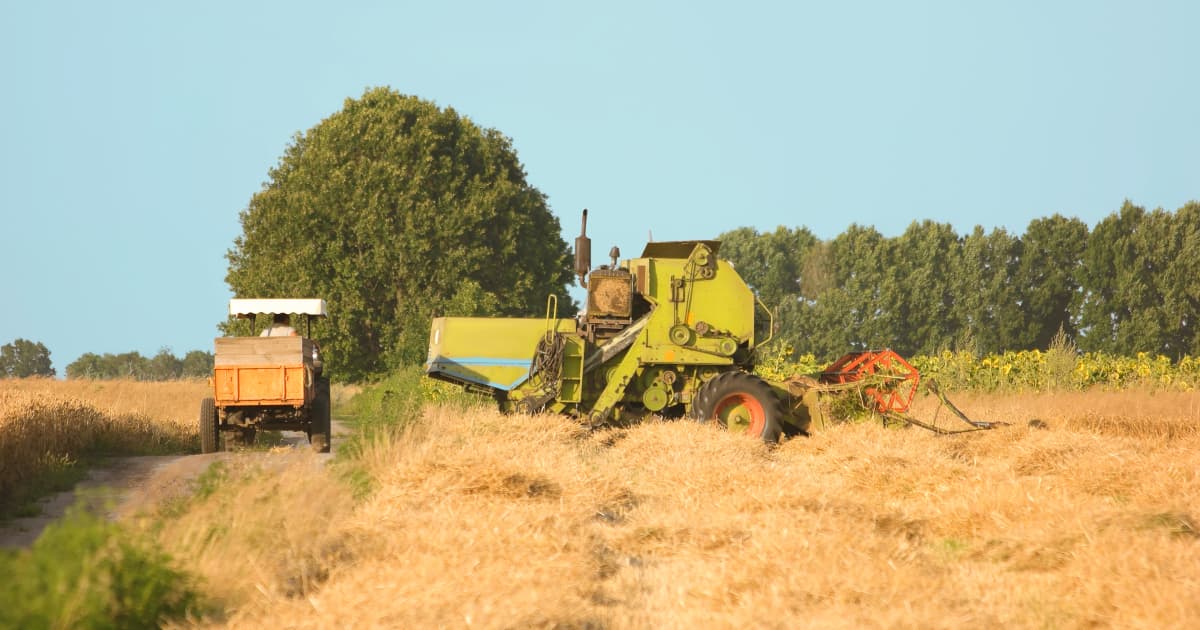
<point x="893" y="381"/>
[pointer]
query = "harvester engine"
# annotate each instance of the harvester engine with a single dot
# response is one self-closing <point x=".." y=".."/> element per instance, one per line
<point x="610" y="304"/>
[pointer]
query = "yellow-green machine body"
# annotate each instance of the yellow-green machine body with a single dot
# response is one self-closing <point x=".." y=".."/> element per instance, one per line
<point x="671" y="332"/>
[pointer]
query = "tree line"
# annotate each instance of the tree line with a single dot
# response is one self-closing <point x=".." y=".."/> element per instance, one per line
<point x="24" y="358"/>
<point x="1130" y="284"/>
<point x="163" y="366"/>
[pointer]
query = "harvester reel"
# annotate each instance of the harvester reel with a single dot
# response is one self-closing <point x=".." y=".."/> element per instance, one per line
<point x="887" y="379"/>
<point x="885" y="384"/>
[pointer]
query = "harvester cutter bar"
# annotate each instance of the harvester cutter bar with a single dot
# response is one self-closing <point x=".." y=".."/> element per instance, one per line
<point x="932" y="387"/>
<point x="798" y="385"/>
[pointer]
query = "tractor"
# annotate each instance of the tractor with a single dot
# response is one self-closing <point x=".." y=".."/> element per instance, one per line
<point x="267" y="382"/>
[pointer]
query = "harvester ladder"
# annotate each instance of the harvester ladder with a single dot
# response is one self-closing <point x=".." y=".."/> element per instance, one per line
<point x="571" y="387"/>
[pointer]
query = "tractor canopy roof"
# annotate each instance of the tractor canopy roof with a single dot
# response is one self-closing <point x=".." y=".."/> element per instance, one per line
<point x="242" y="307"/>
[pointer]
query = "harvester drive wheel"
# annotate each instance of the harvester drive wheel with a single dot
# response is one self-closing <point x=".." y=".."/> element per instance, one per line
<point x="210" y="432"/>
<point x="741" y="403"/>
<point x="319" y="421"/>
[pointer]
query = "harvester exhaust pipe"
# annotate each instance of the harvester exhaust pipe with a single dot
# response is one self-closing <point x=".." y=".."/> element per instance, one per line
<point x="583" y="253"/>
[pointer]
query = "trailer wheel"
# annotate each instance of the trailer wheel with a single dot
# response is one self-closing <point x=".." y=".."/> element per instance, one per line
<point x="742" y="403"/>
<point x="210" y="432"/>
<point x="319" y="421"/>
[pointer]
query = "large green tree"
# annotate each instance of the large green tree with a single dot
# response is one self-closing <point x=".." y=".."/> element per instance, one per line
<point x="772" y="263"/>
<point x="1182" y="281"/>
<point x="843" y="308"/>
<point x="396" y="210"/>
<point x="987" y="311"/>
<point x="1139" y="282"/>
<point x="775" y="265"/>
<point x="1047" y="280"/>
<point x="23" y="358"/>
<point x="917" y="290"/>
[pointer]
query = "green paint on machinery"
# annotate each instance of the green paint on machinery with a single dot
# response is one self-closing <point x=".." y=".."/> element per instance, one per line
<point x="671" y="333"/>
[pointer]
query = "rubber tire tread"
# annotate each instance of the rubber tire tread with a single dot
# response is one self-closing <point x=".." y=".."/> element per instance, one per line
<point x="210" y="432"/>
<point x="319" y="419"/>
<point x="734" y="382"/>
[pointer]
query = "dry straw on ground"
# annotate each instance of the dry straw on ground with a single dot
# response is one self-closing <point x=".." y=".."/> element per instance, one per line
<point x="269" y="531"/>
<point x="484" y="520"/>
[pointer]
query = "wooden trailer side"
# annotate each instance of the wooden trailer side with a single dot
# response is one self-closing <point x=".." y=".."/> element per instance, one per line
<point x="263" y="371"/>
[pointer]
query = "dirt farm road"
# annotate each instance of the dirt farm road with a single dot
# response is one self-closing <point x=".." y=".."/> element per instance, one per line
<point x="128" y="484"/>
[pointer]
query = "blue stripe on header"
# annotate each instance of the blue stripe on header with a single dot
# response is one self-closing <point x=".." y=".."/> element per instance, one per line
<point x="485" y="361"/>
<point x="466" y="363"/>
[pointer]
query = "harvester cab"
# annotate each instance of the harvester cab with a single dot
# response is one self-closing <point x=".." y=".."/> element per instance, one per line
<point x="671" y="332"/>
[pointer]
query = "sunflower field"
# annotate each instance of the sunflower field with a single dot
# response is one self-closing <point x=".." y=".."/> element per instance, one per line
<point x="1025" y="370"/>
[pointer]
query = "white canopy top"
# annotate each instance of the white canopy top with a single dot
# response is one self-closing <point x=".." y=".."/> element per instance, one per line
<point x="240" y="307"/>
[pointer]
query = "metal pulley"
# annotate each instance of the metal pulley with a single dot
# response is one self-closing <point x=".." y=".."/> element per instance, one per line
<point x="656" y="398"/>
<point x="680" y="335"/>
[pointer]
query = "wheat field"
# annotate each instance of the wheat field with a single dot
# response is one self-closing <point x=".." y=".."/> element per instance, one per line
<point x="482" y="520"/>
<point x="46" y="423"/>
<point x="175" y="403"/>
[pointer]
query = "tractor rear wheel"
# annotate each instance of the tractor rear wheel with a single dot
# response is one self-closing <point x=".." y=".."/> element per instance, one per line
<point x="210" y="432"/>
<point x="742" y="403"/>
<point x="319" y="421"/>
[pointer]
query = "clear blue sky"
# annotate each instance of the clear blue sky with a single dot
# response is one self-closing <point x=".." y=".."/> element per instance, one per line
<point x="132" y="134"/>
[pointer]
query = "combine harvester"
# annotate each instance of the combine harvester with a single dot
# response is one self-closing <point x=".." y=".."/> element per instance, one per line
<point x="671" y="333"/>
